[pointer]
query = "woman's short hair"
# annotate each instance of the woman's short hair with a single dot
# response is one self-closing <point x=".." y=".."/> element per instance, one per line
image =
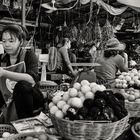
<point x="19" y="31"/>
<point x="109" y="53"/>
<point x="64" y="40"/>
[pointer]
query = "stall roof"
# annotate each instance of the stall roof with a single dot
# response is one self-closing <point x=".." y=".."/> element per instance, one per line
<point x="79" y="14"/>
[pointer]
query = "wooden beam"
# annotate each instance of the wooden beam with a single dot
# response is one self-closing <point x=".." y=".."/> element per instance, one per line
<point x="7" y="20"/>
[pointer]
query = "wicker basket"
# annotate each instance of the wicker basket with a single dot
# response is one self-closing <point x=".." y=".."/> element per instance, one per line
<point x="78" y="130"/>
<point x="136" y="135"/>
<point x="7" y="128"/>
<point x="133" y="108"/>
<point x="48" y="90"/>
<point x="22" y="136"/>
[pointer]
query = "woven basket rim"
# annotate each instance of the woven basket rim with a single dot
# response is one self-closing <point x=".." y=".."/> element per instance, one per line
<point x="89" y="122"/>
<point x="92" y="131"/>
<point x="134" y="132"/>
<point x="8" y="125"/>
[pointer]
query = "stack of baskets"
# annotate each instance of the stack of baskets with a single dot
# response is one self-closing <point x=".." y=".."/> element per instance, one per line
<point x="91" y="130"/>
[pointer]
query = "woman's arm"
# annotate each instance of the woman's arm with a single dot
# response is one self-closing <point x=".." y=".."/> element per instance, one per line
<point x="31" y="62"/>
<point x="31" y="74"/>
<point x="67" y="60"/>
<point x="121" y="65"/>
<point x="15" y="76"/>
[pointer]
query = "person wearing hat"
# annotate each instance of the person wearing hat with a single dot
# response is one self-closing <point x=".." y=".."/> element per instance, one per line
<point x="111" y="61"/>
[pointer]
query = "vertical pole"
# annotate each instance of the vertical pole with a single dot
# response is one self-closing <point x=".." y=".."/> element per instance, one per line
<point x="23" y="7"/>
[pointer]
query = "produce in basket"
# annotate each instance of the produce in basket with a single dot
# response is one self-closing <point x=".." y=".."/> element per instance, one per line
<point x="88" y="101"/>
<point x="132" y="100"/>
<point x="6" y="135"/>
<point x="32" y="136"/>
<point x="128" y="79"/>
<point x="101" y="117"/>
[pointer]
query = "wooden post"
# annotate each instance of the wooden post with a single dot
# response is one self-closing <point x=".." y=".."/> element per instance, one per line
<point x="23" y="7"/>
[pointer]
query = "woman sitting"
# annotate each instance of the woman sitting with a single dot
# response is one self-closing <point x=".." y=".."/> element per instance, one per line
<point x="26" y="97"/>
<point x="63" y="61"/>
<point x="111" y="61"/>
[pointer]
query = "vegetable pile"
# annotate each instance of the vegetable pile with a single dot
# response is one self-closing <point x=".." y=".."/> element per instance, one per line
<point x="88" y="101"/>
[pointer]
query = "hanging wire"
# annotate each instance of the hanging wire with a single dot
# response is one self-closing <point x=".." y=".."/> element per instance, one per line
<point x="36" y="25"/>
<point x="13" y="19"/>
<point x="63" y="9"/>
<point x="91" y="12"/>
<point x="29" y="8"/>
<point x="70" y="7"/>
<point x="98" y="10"/>
<point x="107" y="18"/>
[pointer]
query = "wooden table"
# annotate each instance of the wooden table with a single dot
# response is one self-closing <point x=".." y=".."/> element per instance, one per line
<point x="85" y="64"/>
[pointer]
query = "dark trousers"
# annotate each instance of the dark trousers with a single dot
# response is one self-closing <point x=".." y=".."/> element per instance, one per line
<point x="27" y="99"/>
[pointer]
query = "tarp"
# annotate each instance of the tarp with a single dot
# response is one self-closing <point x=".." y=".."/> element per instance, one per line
<point x="134" y="3"/>
<point x="112" y="10"/>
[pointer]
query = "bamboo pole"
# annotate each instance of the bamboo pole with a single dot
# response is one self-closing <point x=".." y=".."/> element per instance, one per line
<point x="23" y="20"/>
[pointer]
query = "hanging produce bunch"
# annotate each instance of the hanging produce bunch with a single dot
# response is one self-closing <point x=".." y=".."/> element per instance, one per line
<point x="73" y="33"/>
<point x="85" y="34"/>
<point x="63" y="31"/>
<point x="107" y="33"/>
<point x="88" y="34"/>
<point x="97" y="34"/>
<point x="66" y="31"/>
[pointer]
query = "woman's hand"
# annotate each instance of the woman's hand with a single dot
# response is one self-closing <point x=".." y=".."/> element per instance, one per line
<point x="2" y="71"/>
<point x="74" y="73"/>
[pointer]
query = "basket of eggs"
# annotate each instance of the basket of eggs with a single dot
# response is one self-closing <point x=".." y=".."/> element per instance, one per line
<point x="6" y="131"/>
<point x="88" y="111"/>
<point x="128" y="83"/>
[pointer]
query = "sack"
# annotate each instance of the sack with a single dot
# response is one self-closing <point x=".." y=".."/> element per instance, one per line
<point x="9" y="113"/>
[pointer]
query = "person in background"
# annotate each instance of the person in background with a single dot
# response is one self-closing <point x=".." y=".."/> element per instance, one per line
<point x="111" y="62"/>
<point x="26" y="96"/>
<point x="72" y="55"/>
<point x="124" y="55"/>
<point x="63" y="61"/>
<point x="45" y="50"/>
<point x="93" y="52"/>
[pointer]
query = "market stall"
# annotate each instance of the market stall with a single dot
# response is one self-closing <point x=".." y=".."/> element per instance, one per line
<point x="79" y="110"/>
